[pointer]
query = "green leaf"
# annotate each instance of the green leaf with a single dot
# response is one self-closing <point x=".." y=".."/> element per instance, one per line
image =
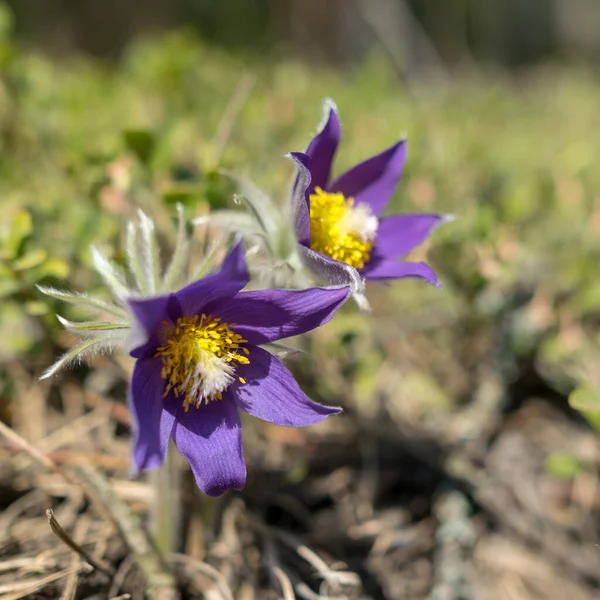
<point x="6" y="21"/>
<point x="53" y="267"/>
<point x="180" y="195"/>
<point x="177" y="265"/>
<point x="593" y="418"/>
<point x="16" y="231"/>
<point x="84" y="300"/>
<point x="36" y="308"/>
<point x="141" y="142"/>
<point x="76" y="353"/>
<point x="109" y="272"/>
<point x="33" y="258"/>
<point x="16" y="336"/>
<point x="8" y="287"/>
<point x="91" y="326"/>
<point x="585" y="398"/>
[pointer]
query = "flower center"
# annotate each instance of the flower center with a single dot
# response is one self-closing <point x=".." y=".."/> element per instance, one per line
<point x="199" y="356"/>
<point x="340" y="229"/>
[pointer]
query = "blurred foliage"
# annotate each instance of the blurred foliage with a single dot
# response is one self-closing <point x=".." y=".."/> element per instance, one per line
<point x="586" y="399"/>
<point x="563" y="465"/>
<point x="517" y="162"/>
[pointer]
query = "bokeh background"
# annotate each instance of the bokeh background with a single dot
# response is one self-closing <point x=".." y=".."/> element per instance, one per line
<point x="466" y="465"/>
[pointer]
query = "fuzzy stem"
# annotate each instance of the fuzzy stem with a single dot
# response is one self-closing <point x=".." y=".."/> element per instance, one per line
<point x="166" y="513"/>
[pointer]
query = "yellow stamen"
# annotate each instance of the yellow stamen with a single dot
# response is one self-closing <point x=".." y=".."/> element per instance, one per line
<point x="199" y="356"/>
<point x="341" y="230"/>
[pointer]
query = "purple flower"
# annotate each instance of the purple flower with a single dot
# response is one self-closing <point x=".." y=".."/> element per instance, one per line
<point x="199" y="362"/>
<point x="338" y="223"/>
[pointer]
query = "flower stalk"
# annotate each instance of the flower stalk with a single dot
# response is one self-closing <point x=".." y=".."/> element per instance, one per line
<point x="166" y="507"/>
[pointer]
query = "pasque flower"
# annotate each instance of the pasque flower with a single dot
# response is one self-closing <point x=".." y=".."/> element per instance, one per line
<point x="199" y="362"/>
<point x="198" y="352"/>
<point x="338" y="222"/>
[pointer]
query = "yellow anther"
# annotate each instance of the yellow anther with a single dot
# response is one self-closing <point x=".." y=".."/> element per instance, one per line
<point x="199" y="356"/>
<point x="339" y="229"/>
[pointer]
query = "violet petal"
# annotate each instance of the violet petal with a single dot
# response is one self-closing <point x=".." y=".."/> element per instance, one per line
<point x="210" y="439"/>
<point x="152" y="423"/>
<point x="397" y="235"/>
<point x="321" y="149"/>
<point x="272" y="394"/>
<point x="373" y="181"/>
<point x="227" y="281"/>
<point x="234" y="264"/>
<point x="148" y="315"/>
<point x="392" y="269"/>
<point x="300" y="203"/>
<point x="264" y="316"/>
<point x="150" y="312"/>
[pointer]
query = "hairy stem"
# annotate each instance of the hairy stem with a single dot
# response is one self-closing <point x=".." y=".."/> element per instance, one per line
<point x="166" y="515"/>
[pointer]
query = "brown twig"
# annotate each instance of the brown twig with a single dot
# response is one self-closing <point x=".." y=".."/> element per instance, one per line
<point x="34" y="563"/>
<point x="104" y="461"/>
<point x="70" y="589"/>
<point x="69" y="541"/>
<point x="286" y="584"/>
<point x="160" y="583"/>
<point x="311" y="557"/>
<point x="14" y="438"/>
<point x="14" y="591"/>
<point x="74" y="430"/>
<point x="334" y="577"/>
<point x="271" y="560"/>
<point x="120" y="576"/>
<point x="305" y="592"/>
<point x="207" y="570"/>
<point x="119" y="412"/>
<point x="10" y="514"/>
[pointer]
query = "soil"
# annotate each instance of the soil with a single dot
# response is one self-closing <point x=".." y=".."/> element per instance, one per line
<point x="363" y="506"/>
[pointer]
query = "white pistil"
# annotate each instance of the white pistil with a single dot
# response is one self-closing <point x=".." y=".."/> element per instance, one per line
<point x="360" y="221"/>
<point x="209" y="378"/>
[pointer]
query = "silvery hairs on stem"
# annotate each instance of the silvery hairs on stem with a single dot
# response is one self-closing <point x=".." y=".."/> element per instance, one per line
<point x="114" y="326"/>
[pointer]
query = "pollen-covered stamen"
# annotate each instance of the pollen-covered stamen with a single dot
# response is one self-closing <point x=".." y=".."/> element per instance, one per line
<point x="199" y="356"/>
<point x="340" y="229"/>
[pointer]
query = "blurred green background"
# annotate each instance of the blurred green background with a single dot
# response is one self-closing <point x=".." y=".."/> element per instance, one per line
<point x="104" y="107"/>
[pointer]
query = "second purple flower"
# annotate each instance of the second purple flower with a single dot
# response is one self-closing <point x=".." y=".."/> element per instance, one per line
<point x="338" y="222"/>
